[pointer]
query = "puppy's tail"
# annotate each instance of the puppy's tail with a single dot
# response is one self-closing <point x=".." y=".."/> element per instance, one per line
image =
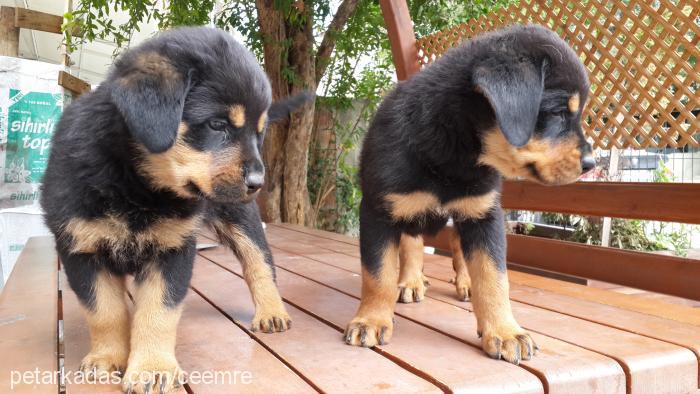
<point x="281" y="109"/>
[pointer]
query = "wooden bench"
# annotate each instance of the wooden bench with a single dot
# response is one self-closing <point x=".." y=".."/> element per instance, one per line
<point x="592" y="340"/>
<point x="588" y="344"/>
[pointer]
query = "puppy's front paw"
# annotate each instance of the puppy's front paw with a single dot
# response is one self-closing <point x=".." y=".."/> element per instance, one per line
<point x="509" y="342"/>
<point x="463" y="285"/>
<point x="153" y="374"/>
<point x="271" y="319"/>
<point x="368" y="332"/>
<point x="413" y="290"/>
<point x="98" y="364"/>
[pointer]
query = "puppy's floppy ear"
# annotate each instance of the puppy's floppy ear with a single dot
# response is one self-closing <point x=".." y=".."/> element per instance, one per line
<point x="514" y="90"/>
<point x="150" y="95"/>
<point x="280" y="109"/>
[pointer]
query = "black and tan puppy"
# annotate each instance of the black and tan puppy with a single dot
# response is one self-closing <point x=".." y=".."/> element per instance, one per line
<point x="507" y="103"/>
<point x="168" y="142"/>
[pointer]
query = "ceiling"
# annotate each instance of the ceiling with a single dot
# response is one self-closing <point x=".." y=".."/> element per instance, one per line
<point x="90" y="62"/>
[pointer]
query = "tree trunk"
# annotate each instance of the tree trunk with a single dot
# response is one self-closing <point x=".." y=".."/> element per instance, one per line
<point x="285" y="196"/>
<point x="274" y="32"/>
<point x="296" y="194"/>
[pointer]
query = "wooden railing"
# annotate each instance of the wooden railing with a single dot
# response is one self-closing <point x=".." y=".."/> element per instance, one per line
<point x="669" y="202"/>
<point x="653" y="201"/>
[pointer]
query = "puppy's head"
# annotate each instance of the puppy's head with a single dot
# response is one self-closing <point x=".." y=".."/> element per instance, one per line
<point x="197" y="104"/>
<point x="537" y="88"/>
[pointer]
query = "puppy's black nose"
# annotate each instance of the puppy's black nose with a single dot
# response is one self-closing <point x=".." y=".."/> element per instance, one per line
<point x="254" y="181"/>
<point x="587" y="163"/>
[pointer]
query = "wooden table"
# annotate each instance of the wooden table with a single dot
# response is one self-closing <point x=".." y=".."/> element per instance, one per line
<point x="592" y="341"/>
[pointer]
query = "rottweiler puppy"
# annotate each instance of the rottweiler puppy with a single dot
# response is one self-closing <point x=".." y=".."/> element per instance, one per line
<point x="507" y="103"/>
<point x="169" y="142"/>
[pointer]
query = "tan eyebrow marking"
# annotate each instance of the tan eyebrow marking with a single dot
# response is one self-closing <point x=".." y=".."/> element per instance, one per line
<point x="262" y="121"/>
<point x="237" y="115"/>
<point x="574" y="102"/>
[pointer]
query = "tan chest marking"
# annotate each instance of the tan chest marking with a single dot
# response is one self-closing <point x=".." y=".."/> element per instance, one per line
<point x="472" y="207"/>
<point x="113" y="233"/>
<point x="408" y="206"/>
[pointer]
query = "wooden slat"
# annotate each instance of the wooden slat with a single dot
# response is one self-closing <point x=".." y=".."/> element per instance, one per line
<point x="37" y="20"/>
<point x="74" y="84"/>
<point x="672" y="202"/>
<point x="28" y="317"/>
<point x="334" y="368"/>
<point x="207" y="341"/>
<point x="413" y="346"/>
<point x="648" y="271"/>
<point x="665" y="310"/>
<point x="319" y="233"/>
<point x="632" y="351"/>
<point x="403" y="41"/>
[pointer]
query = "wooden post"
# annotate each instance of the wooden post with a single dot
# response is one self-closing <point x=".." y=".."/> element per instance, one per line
<point x="401" y="36"/>
<point x="9" y="34"/>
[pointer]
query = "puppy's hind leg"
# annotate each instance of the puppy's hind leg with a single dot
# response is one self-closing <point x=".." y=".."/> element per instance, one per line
<point x="373" y="322"/>
<point x="103" y="296"/>
<point x="461" y="281"/>
<point x="240" y="228"/>
<point x="483" y="242"/>
<point x="412" y="282"/>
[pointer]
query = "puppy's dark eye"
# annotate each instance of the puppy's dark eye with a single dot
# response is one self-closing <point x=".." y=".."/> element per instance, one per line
<point x="218" y="124"/>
